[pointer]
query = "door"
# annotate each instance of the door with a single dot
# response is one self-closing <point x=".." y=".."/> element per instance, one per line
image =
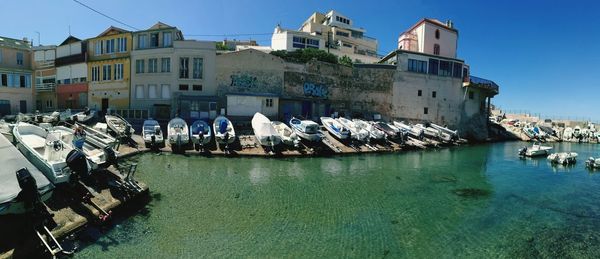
<point x="4" y="107"/>
<point x="23" y="106"/>
<point x="212" y="110"/>
<point x="307" y="109"/>
<point x="104" y="105"/>
<point x="83" y="100"/>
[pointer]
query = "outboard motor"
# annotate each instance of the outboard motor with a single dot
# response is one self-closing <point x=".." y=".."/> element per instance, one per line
<point x="77" y="162"/>
<point x="29" y="194"/>
<point x="128" y="131"/>
<point x="111" y="156"/>
<point x="523" y="151"/>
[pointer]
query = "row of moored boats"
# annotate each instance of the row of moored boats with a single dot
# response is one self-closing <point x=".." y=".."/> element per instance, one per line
<point x="560" y="158"/>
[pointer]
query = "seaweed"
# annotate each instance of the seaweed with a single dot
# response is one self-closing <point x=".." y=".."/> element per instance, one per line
<point x="471" y="192"/>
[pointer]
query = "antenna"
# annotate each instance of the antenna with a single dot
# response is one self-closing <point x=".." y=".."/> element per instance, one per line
<point x="69" y="30"/>
<point x="39" y="42"/>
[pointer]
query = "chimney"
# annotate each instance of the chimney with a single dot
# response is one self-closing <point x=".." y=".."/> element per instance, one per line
<point x="450" y="24"/>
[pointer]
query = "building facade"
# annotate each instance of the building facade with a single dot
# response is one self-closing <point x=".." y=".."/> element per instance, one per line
<point x="72" y="74"/>
<point x="431" y="37"/>
<point x="45" y="78"/>
<point x="108" y="69"/>
<point x="333" y="32"/>
<point x="16" y="92"/>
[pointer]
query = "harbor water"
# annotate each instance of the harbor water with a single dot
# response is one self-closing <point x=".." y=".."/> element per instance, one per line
<point x="472" y="201"/>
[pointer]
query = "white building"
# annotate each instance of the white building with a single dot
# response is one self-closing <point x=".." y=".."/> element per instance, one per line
<point x="333" y="32"/>
<point x="71" y="74"/>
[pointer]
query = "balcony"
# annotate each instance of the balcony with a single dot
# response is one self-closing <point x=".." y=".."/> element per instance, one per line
<point x="484" y="84"/>
<point x="44" y="64"/>
<point x="47" y="87"/>
<point x="77" y="58"/>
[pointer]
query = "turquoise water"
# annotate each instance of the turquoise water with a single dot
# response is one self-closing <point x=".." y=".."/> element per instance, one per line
<point x="474" y="201"/>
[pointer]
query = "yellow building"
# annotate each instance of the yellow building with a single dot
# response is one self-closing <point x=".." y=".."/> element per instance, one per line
<point x="109" y="69"/>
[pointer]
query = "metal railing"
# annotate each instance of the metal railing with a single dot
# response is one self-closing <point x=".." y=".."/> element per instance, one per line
<point x="133" y="113"/>
<point x="47" y="87"/>
<point x="44" y="64"/>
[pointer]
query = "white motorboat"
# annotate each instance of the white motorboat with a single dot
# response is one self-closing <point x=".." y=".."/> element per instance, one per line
<point x="413" y="131"/>
<point x="356" y="131"/>
<point x="452" y="133"/>
<point x="335" y="128"/>
<point x="565" y="158"/>
<point x="568" y="133"/>
<point x="100" y="136"/>
<point x="178" y="134"/>
<point x="52" y="156"/>
<point x="374" y="133"/>
<point x="152" y="134"/>
<point x="593" y="163"/>
<point x="94" y="150"/>
<point x="201" y="134"/>
<point x="264" y="131"/>
<point x="288" y="136"/>
<point x="10" y="182"/>
<point x="6" y="128"/>
<point x="535" y="150"/>
<point x="119" y="126"/>
<point x="390" y="131"/>
<point x="306" y="129"/>
<point x="428" y="132"/>
<point x="223" y="130"/>
<point x="84" y="117"/>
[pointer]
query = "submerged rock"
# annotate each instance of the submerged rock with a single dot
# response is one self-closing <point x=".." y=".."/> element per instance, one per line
<point x="471" y="192"/>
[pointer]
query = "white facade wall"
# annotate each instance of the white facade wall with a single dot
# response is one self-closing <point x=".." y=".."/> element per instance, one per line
<point x="68" y="50"/>
<point x="241" y="105"/>
<point x="78" y="70"/>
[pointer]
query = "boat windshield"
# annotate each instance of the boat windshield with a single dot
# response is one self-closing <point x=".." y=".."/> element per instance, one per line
<point x="311" y="129"/>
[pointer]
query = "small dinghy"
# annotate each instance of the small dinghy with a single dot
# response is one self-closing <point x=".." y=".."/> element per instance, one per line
<point x="565" y="158"/>
<point x="201" y="134"/>
<point x="119" y="126"/>
<point x="535" y="150"/>
<point x="11" y="182"/>
<point x="84" y="117"/>
<point x="178" y="134"/>
<point x="264" y="131"/>
<point x="223" y="130"/>
<point x="52" y="156"/>
<point x="356" y="131"/>
<point x="335" y="128"/>
<point x="306" y="129"/>
<point x="152" y="134"/>
<point x="593" y="163"/>
<point x="288" y="136"/>
<point x="374" y="132"/>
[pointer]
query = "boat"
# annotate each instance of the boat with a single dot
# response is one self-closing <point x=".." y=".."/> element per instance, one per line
<point x="119" y="126"/>
<point x="223" y="130"/>
<point x="356" y="131"/>
<point x="593" y="163"/>
<point x="374" y="133"/>
<point x="46" y="117"/>
<point x="95" y="151"/>
<point x="7" y="123"/>
<point x="10" y="185"/>
<point x="452" y="133"/>
<point x="565" y="158"/>
<point x="390" y="131"/>
<point x="335" y="128"/>
<point x="288" y="136"/>
<point x="306" y="129"/>
<point x="85" y="116"/>
<point x="178" y="134"/>
<point x="152" y="134"/>
<point x="200" y="133"/>
<point x="535" y="150"/>
<point x="428" y="131"/>
<point x="99" y="135"/>
<point x="56" y="159"/>
<point x="411" y="130"/>
<point x="264" y="131"/>
<point x="568" y="133"/>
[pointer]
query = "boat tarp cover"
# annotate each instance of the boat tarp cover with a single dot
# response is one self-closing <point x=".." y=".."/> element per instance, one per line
<point x="12" y="160"/>
<point x="223" y="126"/>
<point x="198" y="127"/>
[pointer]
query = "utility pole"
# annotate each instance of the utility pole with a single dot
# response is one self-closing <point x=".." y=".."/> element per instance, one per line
<point x="328" y="40"/>
<point x="39" y="42"/>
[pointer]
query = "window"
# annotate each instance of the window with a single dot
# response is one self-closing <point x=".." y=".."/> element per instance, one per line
<point x="167" y="39"/>
<point x="436" y="49"/>
<point x="184" y="87"/>
<point x="433" y="94"/>
<point x="465" y="74"/>
<point x="67" y="81"/>
<point x="433" y="66"/>
<point x="22" y="82"/>
<point x="418" y="66"/>
<point x="457" y="70"/>
<point x="299" y="42"/>
<point x="197" y="72"/>
<point x="341" y="33"/>
<point x="48" y="103"/>
<point x="105" y="72"/>
<point x="99" y="47"/>
<point x="197" y="87"/>
<point x="419" y="93"/>
<point x="154" y="40"/>
<point x="152" y="94"/>
<point x="118" y="71"/>
<point x="165" y="65"/>
<point x="269" y="102"/>
<point x="139" y="91"/>
<point x="346" y="45"/>
<point x="312" y="43"/>
<point x="0" y="56"/>
<point x="425" y="110"/>
<point x="4" y="80"/>
<point x="152" y="65"/>
<point x="437" y="34"/>
<point x="82" y="79"/>
<point x="121" y="44"/>
<point x="142" y="38"/>
<point x="110" y="46"/>
<point x="20" y="58"/>
<point x="471" y="95"/>
<point x="165" y="91"/>
<point x="139" y="66"/>
<point x="184" y="67"/>
<point x="445" y="68"/>
<point x="95" y="73"/>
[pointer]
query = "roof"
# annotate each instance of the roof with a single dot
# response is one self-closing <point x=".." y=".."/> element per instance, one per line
<point x="395" y="52"/>
<point x="160" y="25"/>
<point x="14" y="43"/>
<point x="69" y="40"/>
<point x="432" y="21"/>
<point x="111" y="29"/>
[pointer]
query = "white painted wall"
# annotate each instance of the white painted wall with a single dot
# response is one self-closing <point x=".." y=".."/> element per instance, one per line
<point x="68" y="50"/>
<point x="71" y="71"/>
<point x="241" y="105"/>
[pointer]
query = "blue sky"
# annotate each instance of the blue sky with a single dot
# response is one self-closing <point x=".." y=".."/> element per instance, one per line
<point x="543" y="54"/>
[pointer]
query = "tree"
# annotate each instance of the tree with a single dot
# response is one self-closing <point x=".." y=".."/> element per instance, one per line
<point x="221" y="46"/>
<point x="305" y="55"/>
<point x="346" y="61"/>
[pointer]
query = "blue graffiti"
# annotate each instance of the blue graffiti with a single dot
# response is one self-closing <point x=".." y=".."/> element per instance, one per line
<point x="315" y="90"/>
<point x="243" y="80"/>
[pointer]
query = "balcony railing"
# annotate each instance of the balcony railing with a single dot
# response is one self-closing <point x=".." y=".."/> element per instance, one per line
<point x="44" y="64"/>
<point x="47" y="87"/>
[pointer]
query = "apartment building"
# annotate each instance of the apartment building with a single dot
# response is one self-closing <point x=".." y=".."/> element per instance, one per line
<point x="72" y="74"/>
<point x="16" y="92"/>
<point x="45" y="78"/>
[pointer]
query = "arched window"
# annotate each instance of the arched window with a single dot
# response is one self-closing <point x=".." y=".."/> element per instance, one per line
<point x="436" y="49"/>
<point x="437" y="34"/>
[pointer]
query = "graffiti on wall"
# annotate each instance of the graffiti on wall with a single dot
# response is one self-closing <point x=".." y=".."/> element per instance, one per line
<point x="316" y="90"/>
<point x="243" y="80"/>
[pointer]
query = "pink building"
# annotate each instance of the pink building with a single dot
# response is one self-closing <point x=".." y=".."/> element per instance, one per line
<point x="430" y="36"/>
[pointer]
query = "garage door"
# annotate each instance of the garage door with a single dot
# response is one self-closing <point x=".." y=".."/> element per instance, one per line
<point x="243" y="105"/>
<point x="4" y="107"/>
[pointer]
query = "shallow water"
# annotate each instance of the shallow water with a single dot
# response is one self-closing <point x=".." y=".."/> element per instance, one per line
<point x="476" y="201"/>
